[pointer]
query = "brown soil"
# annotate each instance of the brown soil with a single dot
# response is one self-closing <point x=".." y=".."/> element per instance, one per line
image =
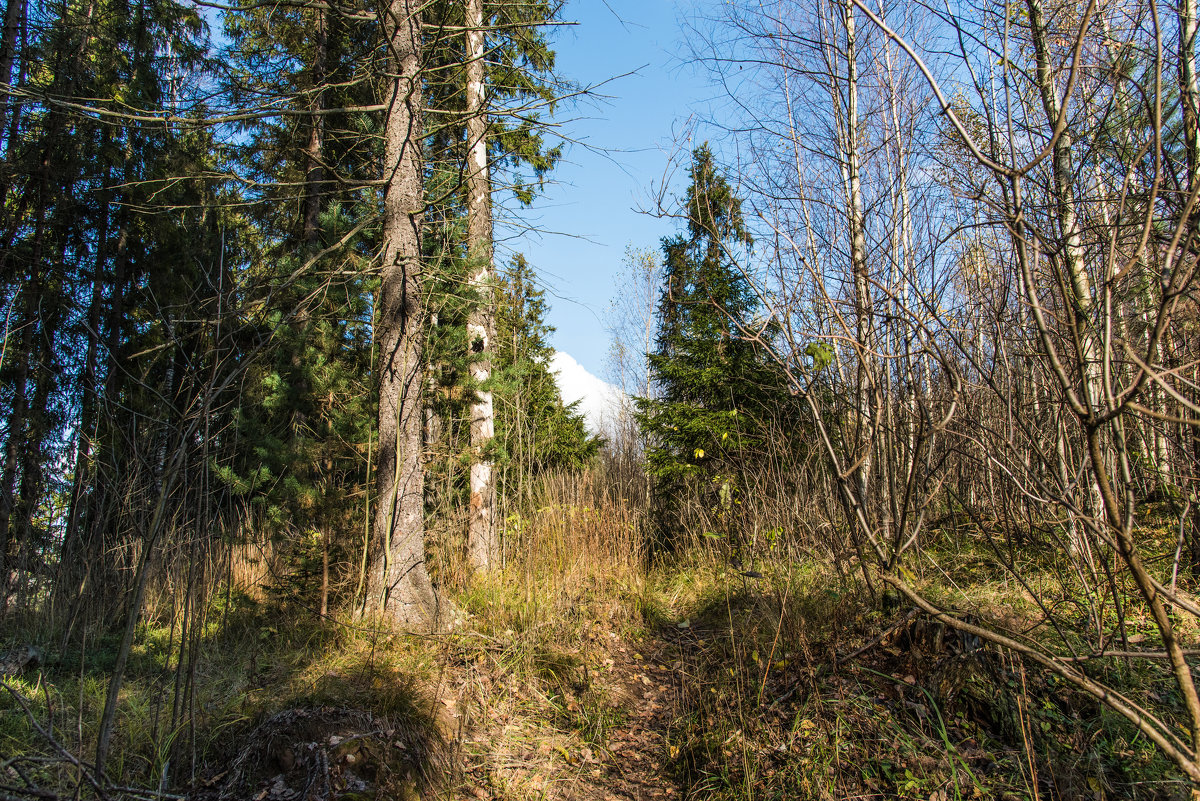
<point x="637" y="684"/>
<point x="594" y="728"/>
<point x="636" y="764"/>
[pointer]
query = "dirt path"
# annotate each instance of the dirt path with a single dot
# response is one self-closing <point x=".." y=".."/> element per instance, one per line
<point x="517" y="751"/>
<point x="636" y="764"/>
<point x="596" y="729"/>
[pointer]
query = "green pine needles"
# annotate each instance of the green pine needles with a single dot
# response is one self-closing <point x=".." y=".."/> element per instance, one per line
<point x="717" y="389"/>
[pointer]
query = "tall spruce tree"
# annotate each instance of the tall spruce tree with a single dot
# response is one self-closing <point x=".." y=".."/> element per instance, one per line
<point x="716" y="388"/>
<point x="305" y="416"/>
<point x="105" y="245"/>
<point x="538" y="432"/>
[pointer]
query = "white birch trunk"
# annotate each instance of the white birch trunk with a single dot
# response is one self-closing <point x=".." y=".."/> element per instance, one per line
<point x="483" y="550"/>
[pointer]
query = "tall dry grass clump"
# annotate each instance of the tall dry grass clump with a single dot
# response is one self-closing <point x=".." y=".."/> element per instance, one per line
<point x="574" y="550"/>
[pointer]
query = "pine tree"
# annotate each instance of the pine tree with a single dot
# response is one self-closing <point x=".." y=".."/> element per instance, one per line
<point x="538" y="432"/>
<point x="305" y="420"/>
<point x="716" y="389"/>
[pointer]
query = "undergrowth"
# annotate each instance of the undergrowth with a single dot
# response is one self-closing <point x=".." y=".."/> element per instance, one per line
<point x="793" y="680"/>
<point x="797" y="685"/>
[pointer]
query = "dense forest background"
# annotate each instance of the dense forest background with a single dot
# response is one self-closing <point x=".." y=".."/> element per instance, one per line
<point x="902" y="498"/>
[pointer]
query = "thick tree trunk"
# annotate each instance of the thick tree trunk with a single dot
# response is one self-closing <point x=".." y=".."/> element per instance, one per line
<point x="482" y="544"/>
<point x="402" y="589"/>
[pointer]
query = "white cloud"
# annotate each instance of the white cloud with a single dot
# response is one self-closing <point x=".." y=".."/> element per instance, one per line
<point x="599" y="399"/>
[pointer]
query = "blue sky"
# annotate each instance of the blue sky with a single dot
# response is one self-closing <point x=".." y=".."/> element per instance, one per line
<point x="590" y="213"/>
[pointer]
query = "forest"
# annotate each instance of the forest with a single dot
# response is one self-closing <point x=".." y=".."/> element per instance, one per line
<point x="900" y="498"/>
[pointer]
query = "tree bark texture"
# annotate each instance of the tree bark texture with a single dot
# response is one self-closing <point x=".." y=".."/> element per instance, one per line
<point x="482" y="543"/>
<point x="402" y="589"/>
<point x="855" y="214"/>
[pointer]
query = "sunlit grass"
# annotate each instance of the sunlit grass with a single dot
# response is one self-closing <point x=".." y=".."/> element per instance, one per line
<point x="794" y="680"/>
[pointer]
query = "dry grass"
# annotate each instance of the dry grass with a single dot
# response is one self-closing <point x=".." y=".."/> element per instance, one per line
<point x="531" y="698"/>
<point x="575" y="552"/>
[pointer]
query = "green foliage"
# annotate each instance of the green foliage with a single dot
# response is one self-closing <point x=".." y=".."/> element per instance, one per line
<point x="521" y="87"/>
<point x="717" y="389"/>
<point x="102" y="372"/>
<point x="821" y="354"/>
<point x="537" y="431"/>
<point x="521" y="79"/>
<point x="520" y="83"/>
<point x="305" y="415"/>
<point x="449" y="389"/>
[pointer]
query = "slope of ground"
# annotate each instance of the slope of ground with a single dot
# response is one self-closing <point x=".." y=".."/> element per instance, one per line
<point x="585" y="670"/>
<point x="575" y="730"/>
<point x="739" y="691"/>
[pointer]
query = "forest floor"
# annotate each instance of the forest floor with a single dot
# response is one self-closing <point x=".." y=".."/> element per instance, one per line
<point x="796" y="686"/>
<point x="692" y="686"/>
<point x="716" y="692"/>
<point x="576" y="677"/>
<point x="637" y="681"/>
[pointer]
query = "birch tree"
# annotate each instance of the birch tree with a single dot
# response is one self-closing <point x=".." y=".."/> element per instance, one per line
<point x="1062" y="169"/>
<point x="482" y="543"/>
